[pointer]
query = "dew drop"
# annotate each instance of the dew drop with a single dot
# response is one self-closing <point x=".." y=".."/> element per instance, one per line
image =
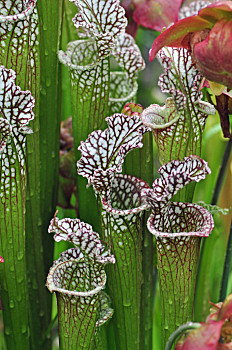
<point x="19" y="297"/>
<point x="24" y="329"/>
<point x="39" y="222"/>
<point x="11" y="304"/>
<point x="20" y="256"/>
<point x="7" y="330"/>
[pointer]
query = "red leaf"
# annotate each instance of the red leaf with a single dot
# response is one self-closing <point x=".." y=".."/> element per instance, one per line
<point x="178" y="34"/>
<point x="213" y="55"/>
<point x="175" y="36"/>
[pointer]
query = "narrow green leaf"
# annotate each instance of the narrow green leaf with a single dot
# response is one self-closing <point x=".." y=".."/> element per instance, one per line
<point x="50" y="14"/>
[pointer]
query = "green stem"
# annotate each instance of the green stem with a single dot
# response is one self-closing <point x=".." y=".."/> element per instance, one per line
<point x="48" y="331"/>
<point x="147" y="288"/>
<point x="222" y="172"/>
<point x="34" y="251"/>
<point x="227" y="267"/>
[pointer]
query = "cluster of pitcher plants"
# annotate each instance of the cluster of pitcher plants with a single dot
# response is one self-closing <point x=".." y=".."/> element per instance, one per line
<point x="129" y="192"/>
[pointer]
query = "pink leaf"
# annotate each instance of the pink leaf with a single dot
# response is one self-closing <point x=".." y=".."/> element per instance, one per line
<point x="156" y="14"/>
<point x="217" y="11"/>
<point x="204" y="338"/>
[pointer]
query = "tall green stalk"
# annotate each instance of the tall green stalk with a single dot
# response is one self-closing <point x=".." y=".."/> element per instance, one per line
<point x="43" y="152"/>
<point x="50" y="14"/>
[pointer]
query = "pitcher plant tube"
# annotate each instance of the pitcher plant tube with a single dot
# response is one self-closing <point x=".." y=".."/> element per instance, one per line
<point x="177" y="227"/>
<point x="122" y="207"/>
<point x="78" y="277"/>
<point x="95" y="89"/>
<point x="178" y="126"/>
